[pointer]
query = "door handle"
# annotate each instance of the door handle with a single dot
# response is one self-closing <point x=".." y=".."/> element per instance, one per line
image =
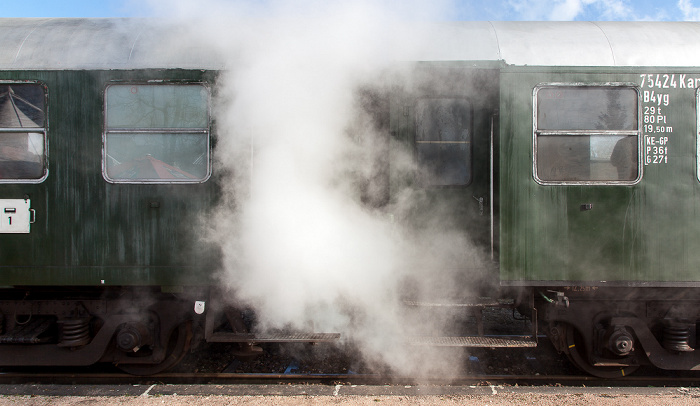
<point x="481" y="204"/>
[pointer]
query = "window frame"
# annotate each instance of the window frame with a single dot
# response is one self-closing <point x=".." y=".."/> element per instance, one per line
<point x="697" y="133"/>
<point x="157" y="130"/>
<point x="587" y="133"/>
<point x="422" y="180"/>
<point x="37" y="130"/>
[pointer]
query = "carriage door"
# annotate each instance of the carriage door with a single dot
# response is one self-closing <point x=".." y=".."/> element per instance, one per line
<point x="448" y="129"/>
<point x="587" y="143"/>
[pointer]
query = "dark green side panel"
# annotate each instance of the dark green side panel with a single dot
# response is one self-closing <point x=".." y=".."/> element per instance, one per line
<point x="91" y="232"/>
<point x="643" y="233"/>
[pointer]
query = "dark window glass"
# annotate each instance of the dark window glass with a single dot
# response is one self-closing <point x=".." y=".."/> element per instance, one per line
<point x="587" y="134"/>
<point x="443" y="141"/>
<point x="22" y="132"/>
<point x="156" y="156"/>
<point x="157" y="133"/>
<point x="587" y="108"/>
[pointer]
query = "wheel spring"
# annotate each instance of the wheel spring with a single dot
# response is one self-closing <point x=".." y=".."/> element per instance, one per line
<point x="74" y="332"/>
<point x="676" y="338"/>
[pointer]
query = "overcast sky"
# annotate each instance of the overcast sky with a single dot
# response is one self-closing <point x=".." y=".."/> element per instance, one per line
<point x="596" y="10"/>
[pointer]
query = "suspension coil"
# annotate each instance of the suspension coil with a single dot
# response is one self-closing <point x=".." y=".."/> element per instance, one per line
<point x="74" y="332"/>
<point x="677" y="336"/>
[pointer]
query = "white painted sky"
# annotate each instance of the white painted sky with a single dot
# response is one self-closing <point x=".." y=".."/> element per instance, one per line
<point x="559" y="10"/>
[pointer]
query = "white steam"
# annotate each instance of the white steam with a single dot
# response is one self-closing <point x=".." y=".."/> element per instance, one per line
<point x="299" y="244"/>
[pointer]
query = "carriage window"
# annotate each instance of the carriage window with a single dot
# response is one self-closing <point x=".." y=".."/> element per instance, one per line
<point x="443" y="141"/>
<point x="22" y="133"/>
<point x="156" y="133"/>
<point x="587" y="134"/>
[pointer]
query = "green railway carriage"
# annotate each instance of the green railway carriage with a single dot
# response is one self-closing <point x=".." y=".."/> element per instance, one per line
<point x="604" y="231"/>
<point x="105" y="169"/>
<point x="597" y="208"/>
<point x="592" y="176"/>
<point x="566" y="152"/>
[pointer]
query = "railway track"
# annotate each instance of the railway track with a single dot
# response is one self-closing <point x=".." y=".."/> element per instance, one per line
<point x="515" y="367"/>
<point x="219" y="378"/>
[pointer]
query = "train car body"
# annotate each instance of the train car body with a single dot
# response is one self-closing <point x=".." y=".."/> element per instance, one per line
<point x="96" y="214"/>
<point x="582" y="213"/>
<point x="589" y="228"/>
<point x="569" y="152"/>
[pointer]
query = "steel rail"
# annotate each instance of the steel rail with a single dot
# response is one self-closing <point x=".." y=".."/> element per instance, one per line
<point x="72" y="378"/>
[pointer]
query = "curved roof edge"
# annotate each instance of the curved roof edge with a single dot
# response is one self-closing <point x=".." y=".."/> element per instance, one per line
<point x="600" y="43"/>
<point x="573" y="43"/>
<point x="100" y="43"/>
<point x="109" y="43"/>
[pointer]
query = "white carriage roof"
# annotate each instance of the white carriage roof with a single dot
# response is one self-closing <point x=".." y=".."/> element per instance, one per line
<point x="573" y="43"/>
<point x="76" y="43"/>
<point x="98" y="43"/>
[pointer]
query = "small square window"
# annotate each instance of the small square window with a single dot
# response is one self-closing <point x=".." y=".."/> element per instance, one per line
<point x="157" y="133"/>
<point x="587" y="134"/>
<point x="443" y="141"/>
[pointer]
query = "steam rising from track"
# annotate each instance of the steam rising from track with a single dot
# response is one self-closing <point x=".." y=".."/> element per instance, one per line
<point x="303" y="242"/>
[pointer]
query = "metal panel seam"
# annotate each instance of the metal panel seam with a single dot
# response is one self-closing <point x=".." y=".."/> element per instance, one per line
<point x="498" y="44"/>
<point x="612" y="53"/>
<point x="27" y="37"/>
<point x="133" y="45"/>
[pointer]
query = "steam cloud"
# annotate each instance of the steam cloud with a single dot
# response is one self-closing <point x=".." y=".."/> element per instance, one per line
<point x="303" y="244"/>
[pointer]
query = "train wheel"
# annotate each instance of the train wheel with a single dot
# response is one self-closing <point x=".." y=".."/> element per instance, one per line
<point x="578" y="356"/>
<point x="178" y="345"/>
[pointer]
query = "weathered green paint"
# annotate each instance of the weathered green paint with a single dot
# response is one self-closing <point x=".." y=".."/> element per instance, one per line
<point x="648" y="232"/>
<point x="89" y="231"/>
